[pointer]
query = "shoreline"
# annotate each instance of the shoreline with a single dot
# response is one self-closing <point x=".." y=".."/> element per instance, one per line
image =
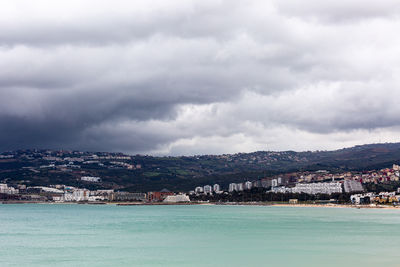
<point x="310" y="205"/>
<point x="260" y="204"/>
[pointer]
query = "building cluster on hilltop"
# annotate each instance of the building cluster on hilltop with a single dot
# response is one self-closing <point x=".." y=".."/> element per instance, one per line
<point x="69" y="161"/>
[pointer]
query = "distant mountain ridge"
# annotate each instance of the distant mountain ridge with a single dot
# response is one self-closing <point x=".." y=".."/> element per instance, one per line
<point x="144" y="173"/>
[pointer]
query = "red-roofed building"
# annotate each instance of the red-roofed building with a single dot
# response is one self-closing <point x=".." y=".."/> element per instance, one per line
<point x="159" y="196"/>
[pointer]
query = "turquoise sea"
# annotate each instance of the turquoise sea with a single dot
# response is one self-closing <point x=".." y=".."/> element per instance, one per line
<point x="108" y="235"/>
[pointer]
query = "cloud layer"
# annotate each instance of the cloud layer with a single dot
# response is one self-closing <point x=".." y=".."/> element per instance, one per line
<point x="198" y="77"/>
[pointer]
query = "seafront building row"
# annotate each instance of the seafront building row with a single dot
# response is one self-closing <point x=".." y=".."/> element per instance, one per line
<point x="347" y="186"/>
<point x="207" y="189"/>
<point x="312" y="183"/>
<point x="312" y="189"/>
<point x="318" y="182"/>
<point x="378" y="198"/>
<point x="63" y="193"/>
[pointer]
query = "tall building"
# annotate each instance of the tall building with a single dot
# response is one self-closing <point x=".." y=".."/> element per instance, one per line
<point x="207" y="189"/>
<point x="198" y="190"/>
<point x="257" y="183"/>
<point x="318" y="188"/>
<point x="352" y="186"/>
<point x="216" y="188"/>
<point x="232" y="187"/>
<point x="239" y="186"/>
<point x="266" y="183"/>
<point x="248" y="185"/>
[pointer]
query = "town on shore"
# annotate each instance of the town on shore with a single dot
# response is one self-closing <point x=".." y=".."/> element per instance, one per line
<point x="313" y="188"/>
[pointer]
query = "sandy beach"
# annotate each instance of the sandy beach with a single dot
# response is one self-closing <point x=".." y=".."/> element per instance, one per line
<point x="304" y="205"/>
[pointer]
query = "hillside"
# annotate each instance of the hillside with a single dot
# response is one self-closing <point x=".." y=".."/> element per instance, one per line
<point x="144" y="173"/>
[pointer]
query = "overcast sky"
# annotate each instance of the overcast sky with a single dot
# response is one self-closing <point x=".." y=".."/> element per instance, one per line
<point x="198" y="77"/>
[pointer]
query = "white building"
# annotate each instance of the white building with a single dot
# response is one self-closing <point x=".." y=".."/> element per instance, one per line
<point x="387" y="194"/>
<point x="57" y="198"/>
<point x="198" y="190"/>
<point x="48" y="189"/>
<point x="248" y="185"/>
<point x="90" y="179"/>
<point x="239" y="186"/>
<point x="362" y="198"/>
<point x="274" y="183"/>
<point x="81" y="194"/>
<point x="96" y="198"/>
<point x="352" y="186"/>
<point x="177" y="198"/>
<point x="207" y="189"/>
<point x="103" y="194"/>
<point x="232" y="187"/>
<point x="5" y="189"/>
<point x="318" y="188"/>
<point x="281" y="189"/>
<point x="217" y="188"/>
<point x="77" y="195"/>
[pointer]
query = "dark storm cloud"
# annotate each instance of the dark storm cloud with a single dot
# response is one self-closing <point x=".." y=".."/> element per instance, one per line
<point x="169" y="77"/>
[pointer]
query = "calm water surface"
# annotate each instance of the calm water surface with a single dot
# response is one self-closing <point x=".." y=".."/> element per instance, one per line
<point x="86" y="235"/>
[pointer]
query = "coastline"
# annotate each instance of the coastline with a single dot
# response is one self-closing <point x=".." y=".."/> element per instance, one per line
<point x="338" y="206"/>
<point x="310" y="205"/>
<point x="303" y="205"/>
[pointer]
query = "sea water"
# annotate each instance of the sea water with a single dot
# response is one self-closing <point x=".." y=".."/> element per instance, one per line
<point x="197" y="235"/>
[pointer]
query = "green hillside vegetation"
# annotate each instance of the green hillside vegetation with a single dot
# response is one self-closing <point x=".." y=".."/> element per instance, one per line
<point x="186" y="172"/>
